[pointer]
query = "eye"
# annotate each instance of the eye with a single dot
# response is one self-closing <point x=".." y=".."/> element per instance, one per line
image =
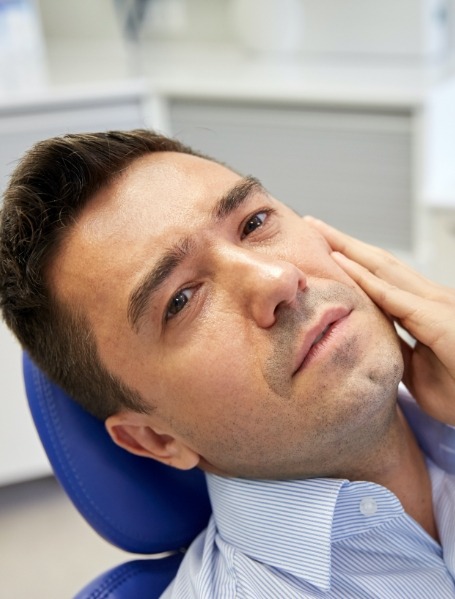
<point x="178" y="302"/>
<point x="254" y="222"/>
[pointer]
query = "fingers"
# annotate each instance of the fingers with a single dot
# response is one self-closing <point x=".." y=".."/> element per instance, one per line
<point x="378" y="261"/>
<point x="390" y="298"/>
<point x="424" y="309"/>
<point x="426" y="320"/>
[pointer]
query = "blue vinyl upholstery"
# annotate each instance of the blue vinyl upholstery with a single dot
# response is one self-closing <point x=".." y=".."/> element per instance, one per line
<point x="135" y="503"/>
<point x="138" y="579"/>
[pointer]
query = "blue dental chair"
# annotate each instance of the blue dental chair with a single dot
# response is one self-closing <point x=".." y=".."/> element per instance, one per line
<point x="135" y="503"/>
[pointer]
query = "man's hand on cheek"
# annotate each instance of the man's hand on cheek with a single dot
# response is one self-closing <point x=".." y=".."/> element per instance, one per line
<point x="423" y="308"/>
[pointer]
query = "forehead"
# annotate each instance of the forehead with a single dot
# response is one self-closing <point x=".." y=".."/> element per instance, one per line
<point x="165" y="190"/>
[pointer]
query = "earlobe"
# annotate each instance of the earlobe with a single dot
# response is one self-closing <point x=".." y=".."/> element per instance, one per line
<point x="133" y="432"/>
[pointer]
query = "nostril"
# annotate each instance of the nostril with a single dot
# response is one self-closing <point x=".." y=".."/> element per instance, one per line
<point x="281" y="307"/>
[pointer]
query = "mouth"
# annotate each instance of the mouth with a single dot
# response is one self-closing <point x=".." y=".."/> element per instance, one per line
<point x="320" y="337"/>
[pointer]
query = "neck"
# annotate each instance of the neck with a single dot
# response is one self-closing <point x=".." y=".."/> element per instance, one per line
<point x="402" y="469"/>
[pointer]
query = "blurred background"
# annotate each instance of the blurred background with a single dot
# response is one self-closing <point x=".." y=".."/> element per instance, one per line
<point x="344" y="109"/>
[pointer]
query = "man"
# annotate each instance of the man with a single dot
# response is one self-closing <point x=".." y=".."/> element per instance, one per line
<point x="211" y="326"/>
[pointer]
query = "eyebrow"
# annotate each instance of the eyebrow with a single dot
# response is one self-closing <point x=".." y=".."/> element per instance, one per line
<point x="235" y="197"/>
<point x="143" y="293"/>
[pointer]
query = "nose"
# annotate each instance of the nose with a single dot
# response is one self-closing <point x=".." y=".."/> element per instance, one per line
<point x="261" y="284"/>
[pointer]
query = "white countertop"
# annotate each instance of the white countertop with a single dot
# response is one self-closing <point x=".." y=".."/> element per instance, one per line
<point x="225" y="72"/>
<point x="51" y="95"/>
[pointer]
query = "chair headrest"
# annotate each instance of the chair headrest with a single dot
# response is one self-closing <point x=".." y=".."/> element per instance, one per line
<point x="135" y="503"/>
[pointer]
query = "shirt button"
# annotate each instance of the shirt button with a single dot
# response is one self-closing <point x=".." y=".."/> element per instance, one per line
<point x="368" y="506"/>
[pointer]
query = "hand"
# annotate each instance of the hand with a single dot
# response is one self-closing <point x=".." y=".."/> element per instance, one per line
<point x="423" y="308"/>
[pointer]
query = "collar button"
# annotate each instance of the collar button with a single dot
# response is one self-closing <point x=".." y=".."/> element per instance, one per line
<point x="368" y="506"/>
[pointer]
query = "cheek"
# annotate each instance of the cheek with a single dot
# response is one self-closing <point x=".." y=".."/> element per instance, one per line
<point x="337" y="273"/>
<point x="312" y="254"/>
<point x="216" y="372"/>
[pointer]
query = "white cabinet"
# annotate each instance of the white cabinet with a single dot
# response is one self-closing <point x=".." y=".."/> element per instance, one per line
<point x="22" y="124"/>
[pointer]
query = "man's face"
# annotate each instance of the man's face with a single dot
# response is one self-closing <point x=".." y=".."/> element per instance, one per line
<point x="226" y="312"/>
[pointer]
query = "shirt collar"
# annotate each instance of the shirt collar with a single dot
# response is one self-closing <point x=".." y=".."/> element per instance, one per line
<point x="286" y="524"/>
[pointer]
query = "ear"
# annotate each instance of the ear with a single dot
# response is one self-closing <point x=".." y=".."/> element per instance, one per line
<point x="138" y="434"/>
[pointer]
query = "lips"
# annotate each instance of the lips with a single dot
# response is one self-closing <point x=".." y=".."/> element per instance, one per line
<point x="316" y="333"/>
<point x="319" y="337"/>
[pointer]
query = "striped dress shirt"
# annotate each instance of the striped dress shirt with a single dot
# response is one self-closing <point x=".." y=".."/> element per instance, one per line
<point x="326" y="538"/>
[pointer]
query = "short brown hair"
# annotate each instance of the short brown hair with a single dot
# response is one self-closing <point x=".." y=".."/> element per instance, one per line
<point x="47" y="192"/>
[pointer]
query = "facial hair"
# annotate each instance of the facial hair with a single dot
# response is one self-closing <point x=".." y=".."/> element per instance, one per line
<point x="293" y="322"/>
